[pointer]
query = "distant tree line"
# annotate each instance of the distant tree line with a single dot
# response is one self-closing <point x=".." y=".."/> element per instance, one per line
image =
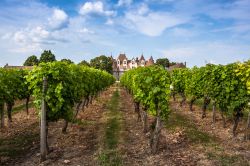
<point x="101" y="62"/>
<point x="164" y="62"/>
<point x="46" y="56"/>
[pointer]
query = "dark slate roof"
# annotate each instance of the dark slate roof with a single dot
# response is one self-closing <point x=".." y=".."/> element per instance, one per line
<point x="150" y="61"/>
<point x="121" y="57"/>
<point x="142" y="58"/>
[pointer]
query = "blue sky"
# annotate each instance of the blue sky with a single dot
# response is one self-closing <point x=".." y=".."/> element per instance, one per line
<point x="195" y="31"/>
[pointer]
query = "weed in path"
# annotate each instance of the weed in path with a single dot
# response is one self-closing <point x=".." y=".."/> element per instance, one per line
<point x="110" y="155"/>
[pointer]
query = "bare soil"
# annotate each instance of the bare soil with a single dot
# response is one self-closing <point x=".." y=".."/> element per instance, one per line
<point x="186" y="138"/>
<point x="224" y="149"/>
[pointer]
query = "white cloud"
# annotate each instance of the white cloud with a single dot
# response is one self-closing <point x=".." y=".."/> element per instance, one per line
<point x="237" y="10"/>
<point x="95" y="8"/>
<point x="109" y="22"/>
<point x="143" y="9"/>
<point x="161" y="1"/>
<point x="19" y="37"/>
<point x="29" y="36"/>
<point x="58" y="20"/>
<point x="86" y="30"/>
<point x="180" y="52"/>
<point x="38" y="34"/>
<point x="201" y="53"/>
<point x="35" y="36"/>
<point x="27" y="49"/>
<point x="34" y="39"/>
<point x="29" y="40"/>
<point x="152" y="23"/>
<point x="124" y="2"/>
<point x="23" y="13"/>
<point x="29" y="27"/>
<point x="6" y="36"/>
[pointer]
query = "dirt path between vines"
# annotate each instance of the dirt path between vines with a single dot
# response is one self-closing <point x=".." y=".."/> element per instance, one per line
<point x="174" y="148"/>
<point x="183" y="141"/>
<point x="217" y="143"/>
<point x="19" y="145"/>
<point x="107" y="133"/>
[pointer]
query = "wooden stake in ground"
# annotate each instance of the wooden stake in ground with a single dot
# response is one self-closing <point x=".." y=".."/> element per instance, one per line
<point x="9" y="109"/>
<point x="223" y="118"/>
<point x="137" y="110"/>
<point x="2" y="113"/>
<point x="27" y="104"/>
<point x="155" y="137"/>
<point x="214" y="112"/>
<point x="145" y="119"/>
<point x="237" y="116"/>
<point x="43" y="134"/>
<point x="247" y="132"/>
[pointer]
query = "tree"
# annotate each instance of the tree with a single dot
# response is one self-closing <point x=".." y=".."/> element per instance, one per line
<point x="31" y="61"/>
<point x="84" y="63"/>
<point x="67" y="61"/>
<point x="163" y="62"/>
<point x="47" y="56"/>
<point x="172" y="63"/>
<point x="102" y="62"/>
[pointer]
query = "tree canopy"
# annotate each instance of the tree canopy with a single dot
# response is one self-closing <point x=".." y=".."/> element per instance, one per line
<point x="164" y="62"/>
<point x="67" y="61"/>
<point x="102" y="62"/>
<point x="47" y="56"/>
<point x="31" y="61"/>
<point x="84" y="63"/>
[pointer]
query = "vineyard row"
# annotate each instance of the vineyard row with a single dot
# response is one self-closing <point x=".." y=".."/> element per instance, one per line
<point x="226" y="86"/>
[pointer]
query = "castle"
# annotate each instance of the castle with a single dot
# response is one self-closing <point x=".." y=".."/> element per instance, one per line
<point x="122" y="64"/>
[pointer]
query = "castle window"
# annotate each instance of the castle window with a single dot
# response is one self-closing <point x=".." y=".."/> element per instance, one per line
<point x="124" y="62"/>
<point x="118" y="62"/>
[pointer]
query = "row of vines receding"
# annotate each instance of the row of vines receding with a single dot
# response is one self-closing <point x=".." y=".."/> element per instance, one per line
<point x="226" y="87"/>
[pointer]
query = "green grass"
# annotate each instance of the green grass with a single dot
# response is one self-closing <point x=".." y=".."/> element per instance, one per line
<point x="199" y="103"/>
<point x="113" y="123"/>
<point x="82" y="123"/>
<point x="112" y="133"/>
<point x="22" y="107"/>
<point x="211" y="145"/>
<point x="110" y="156"/>
<point x="227" y="160"/>
<point x="191" y="131"/>
<point x="19" y="108"/>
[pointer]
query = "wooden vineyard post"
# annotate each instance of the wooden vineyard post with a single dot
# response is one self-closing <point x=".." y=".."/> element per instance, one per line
<point x="43" y="133"/>
<point x="214" y="112"/>
<point x="247" y="132"/>
<point x="2" y="113"/>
